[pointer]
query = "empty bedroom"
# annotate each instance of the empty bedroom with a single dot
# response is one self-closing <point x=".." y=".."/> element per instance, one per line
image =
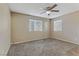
<point x="39" y="29"/>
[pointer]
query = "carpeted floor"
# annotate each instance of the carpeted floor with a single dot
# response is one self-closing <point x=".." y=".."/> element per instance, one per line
<point x="45" y="47"/>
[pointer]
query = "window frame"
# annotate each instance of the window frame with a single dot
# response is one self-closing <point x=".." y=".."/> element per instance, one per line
<point x="60" y="26"/>
<point x="35" y="25"/>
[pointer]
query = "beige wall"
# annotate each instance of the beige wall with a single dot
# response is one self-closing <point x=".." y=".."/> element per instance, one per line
<point x="20" y="29"/>
<point x="4" y="29"/>
<point x="70" y="31"/>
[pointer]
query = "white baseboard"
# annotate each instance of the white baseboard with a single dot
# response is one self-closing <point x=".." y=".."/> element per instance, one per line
<point x="67" y="41"/>
<point x="4" y="52"/>
<point x="27" y="41"/>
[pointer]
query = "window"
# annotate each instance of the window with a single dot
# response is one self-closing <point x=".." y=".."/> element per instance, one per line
<point x="31" y="25"/>
<point x="35" y="25"/>
<point x="38" y="25"/>
<point x="57" y="25"/>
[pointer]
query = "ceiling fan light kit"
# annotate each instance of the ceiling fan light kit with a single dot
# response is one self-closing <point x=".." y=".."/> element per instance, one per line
<point x="49" y="9"/>
<point x="48" y="12"/>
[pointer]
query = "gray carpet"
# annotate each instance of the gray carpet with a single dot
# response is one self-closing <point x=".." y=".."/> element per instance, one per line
<point x="45" y="47"/>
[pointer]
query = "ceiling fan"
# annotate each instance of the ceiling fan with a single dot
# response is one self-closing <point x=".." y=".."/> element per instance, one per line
<point x="50" y="9"/>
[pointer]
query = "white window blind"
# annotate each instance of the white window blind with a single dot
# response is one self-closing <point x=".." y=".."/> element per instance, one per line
<point x="35" y="25"/>
<point x="57" y="25"/>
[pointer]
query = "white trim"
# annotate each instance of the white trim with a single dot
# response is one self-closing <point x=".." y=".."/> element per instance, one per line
<point x="67" y="41"/>
<point x="27" y="41"/>
<point x="5" y="52"/>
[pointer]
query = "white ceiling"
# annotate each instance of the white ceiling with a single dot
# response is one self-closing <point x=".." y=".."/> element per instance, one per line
<point x="36" y="8"/>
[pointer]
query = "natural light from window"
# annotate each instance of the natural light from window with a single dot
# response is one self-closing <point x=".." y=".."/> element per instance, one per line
<point x="35" y="25"/>
<point x="57" y="25"/>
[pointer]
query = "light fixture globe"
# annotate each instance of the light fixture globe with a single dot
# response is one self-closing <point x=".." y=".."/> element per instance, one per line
<point x="48" y="12"/>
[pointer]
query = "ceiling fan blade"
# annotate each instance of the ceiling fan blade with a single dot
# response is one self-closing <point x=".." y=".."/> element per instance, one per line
<point x="52" y="7"/>
<point x="43" y="12"/>
<point x="54" y="10"/>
